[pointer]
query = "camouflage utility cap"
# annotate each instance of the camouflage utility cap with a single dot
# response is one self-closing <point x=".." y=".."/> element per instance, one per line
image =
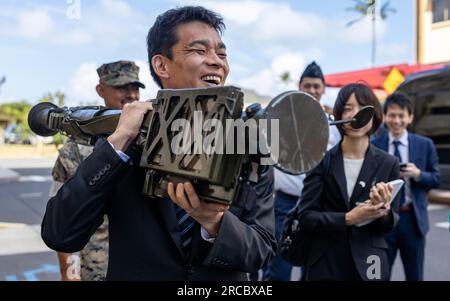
<point x="119" y="74"/>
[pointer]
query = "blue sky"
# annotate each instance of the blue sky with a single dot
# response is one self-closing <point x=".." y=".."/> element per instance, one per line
<point x="42" y="50"/>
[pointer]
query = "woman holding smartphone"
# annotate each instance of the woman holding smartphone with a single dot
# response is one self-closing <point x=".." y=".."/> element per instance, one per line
<point x="346" y="204"/>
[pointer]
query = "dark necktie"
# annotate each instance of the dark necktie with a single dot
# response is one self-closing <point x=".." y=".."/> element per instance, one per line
<point x="186" y="224"/>
<point x="399" y="157"/>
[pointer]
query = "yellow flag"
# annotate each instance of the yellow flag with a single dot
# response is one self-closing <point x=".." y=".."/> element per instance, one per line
<point x="394" y="79"/>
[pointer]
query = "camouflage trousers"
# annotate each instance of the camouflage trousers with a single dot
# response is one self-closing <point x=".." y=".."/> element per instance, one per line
<point x="94" y="256"/>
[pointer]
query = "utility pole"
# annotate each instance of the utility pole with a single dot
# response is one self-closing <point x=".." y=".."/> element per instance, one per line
<point x="369" y="9"/>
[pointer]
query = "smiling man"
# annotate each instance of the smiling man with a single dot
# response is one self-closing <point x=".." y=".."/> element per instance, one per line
<point x="181" y="238"/>
<point x="420" y="170"/>
<point x="119" y="83"/>
<point x="196" y="60"/>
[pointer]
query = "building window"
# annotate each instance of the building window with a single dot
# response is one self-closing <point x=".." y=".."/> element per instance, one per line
<point x="441" y="10"/>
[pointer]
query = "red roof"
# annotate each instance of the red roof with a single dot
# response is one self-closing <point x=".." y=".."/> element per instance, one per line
<point x="374" y="77"/>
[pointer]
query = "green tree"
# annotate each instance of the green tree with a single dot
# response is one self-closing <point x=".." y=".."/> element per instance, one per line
<point x="60" y="98"/>
<point x="368" y="9"/>
<point x="48" y="97"/>
<point x="285" y="78"/>
<point x="18" y="112"/>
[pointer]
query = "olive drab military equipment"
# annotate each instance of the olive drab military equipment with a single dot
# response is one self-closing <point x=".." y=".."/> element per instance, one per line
<point x="301" y="131"/>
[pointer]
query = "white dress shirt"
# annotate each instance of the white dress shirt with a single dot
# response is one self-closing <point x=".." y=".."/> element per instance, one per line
<point x="352" y="168"/>
<point x="403" y="148"/>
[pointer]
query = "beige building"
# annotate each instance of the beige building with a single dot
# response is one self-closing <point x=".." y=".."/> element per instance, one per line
<point x="433" y="31"/>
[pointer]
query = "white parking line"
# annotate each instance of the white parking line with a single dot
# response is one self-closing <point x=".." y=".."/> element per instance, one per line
<point x="30" y="195"/>
<point x="35" y="179"/>
<point x="11" y="226"/>
<point x="433" y="207"/>
<point x="21" y="239"/>
<point x="443" y="225"/>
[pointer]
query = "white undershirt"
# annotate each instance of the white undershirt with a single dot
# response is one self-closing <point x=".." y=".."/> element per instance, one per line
<point x="352" y="169"/>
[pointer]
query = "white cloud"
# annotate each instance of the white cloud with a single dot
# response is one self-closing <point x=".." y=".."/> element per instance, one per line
<point x="265" y="39"/>
<point x="261" y="82"/>
<point x="113" y="23"/>
<point x="329" y="98"/>
<point x="81" y="86"/>
<point x="257" y="20"/>
<point x="239" y="12"/>
<point x="280" y="25"/>
<point x="268" y="82"/>
<point x="277" y="35"/>
<point x="290" y="62"/>
<point x="394" y="52"/>
<point x="74" y="38"/>
<point x="288" y="24"/>
<point x="117" y="7"/>
<point x="34" y="24"/>
<point x="360" y="32"/>
<point x="151" y="88"/>
<point x="105" y="22"/>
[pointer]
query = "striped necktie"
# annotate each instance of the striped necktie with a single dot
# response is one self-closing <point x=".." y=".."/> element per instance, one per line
<point x="185" y="224"/>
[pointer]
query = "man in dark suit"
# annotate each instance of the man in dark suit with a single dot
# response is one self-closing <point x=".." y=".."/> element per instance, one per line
<point x="183" y="238"/>
<point x="420" y="171"/>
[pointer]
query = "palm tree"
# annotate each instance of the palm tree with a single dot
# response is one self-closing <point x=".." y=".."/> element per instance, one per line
<point x="285" y="77"/>
<point x="2" y="81"/>
<point x="60" y="98"/>
<point x="368" y="8"/>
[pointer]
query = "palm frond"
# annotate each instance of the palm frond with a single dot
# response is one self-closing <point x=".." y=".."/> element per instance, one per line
<point x="354" y="21"/>
<point x="361" y="9"/>
<point x="386" y="9"/>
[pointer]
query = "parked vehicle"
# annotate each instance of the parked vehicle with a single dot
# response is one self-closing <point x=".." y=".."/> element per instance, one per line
<point x="430" y="92"/>
<point x="16" y="134"/>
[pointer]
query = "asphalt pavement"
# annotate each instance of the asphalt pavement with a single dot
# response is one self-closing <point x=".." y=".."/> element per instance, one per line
<point x="23" y="255"/>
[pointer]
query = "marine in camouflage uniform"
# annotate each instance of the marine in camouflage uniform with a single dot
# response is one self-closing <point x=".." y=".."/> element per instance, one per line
<point x="94" y="256"/>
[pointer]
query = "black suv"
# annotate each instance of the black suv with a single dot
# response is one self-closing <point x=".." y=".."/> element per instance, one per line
<point x="430" y="93"/>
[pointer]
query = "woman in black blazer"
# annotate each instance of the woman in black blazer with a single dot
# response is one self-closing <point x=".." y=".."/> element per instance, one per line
<point x="340" y="196"/>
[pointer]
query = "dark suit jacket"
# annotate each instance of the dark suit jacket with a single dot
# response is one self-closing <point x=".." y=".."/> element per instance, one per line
<point x="422" y="153"/>
<point x="144" y="238"/>
<point x="335" y="246"/>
